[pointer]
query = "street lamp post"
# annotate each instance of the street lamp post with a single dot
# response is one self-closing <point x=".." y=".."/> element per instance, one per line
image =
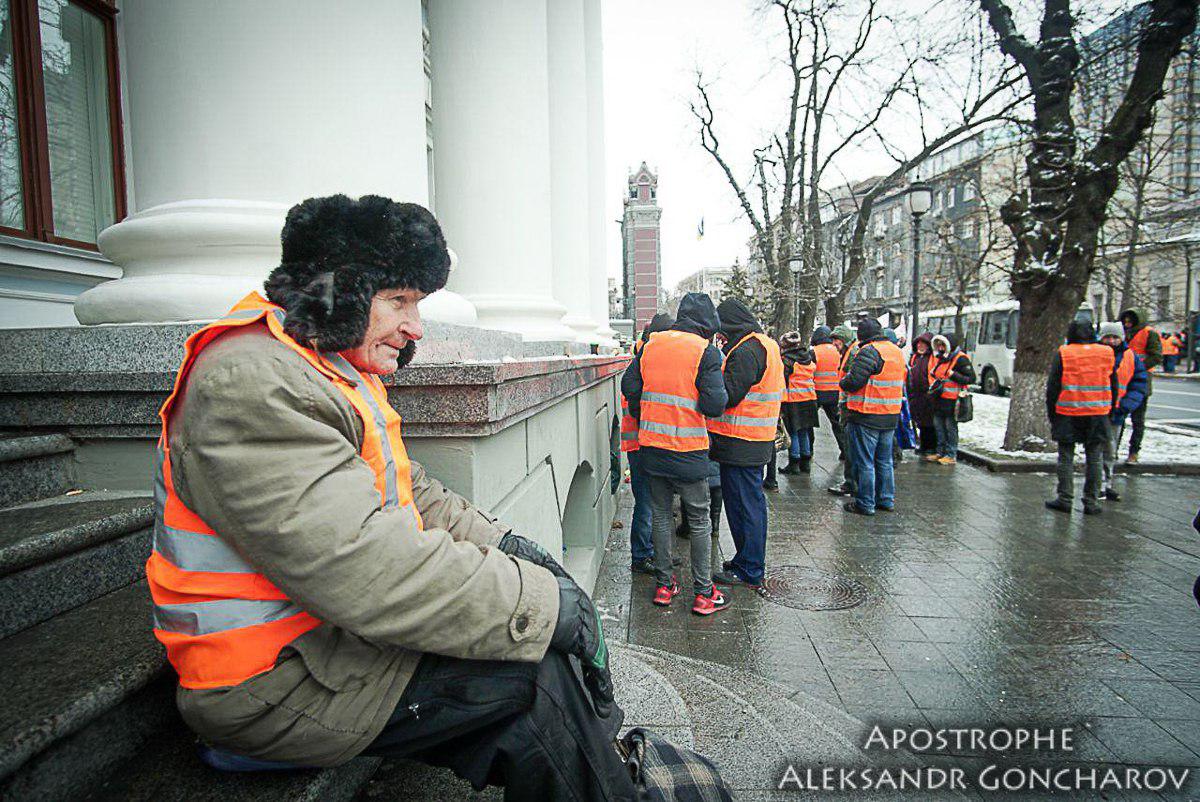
<point x="794" y="266"/>
<point x="918" y="199"/>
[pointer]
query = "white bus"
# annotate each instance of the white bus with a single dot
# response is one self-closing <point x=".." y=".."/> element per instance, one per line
<point x="990" y="338"/>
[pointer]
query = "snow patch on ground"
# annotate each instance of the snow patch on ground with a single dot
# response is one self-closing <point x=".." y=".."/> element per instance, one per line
<point x="1163" y="443"/>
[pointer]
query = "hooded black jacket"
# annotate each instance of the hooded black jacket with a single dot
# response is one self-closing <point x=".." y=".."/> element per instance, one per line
<point x="696" y="316"/>
<point x="744" y="368"/>
<point x="1086" y="429"/>
<point x="866" y="363"/>
<point x="827" y="398"/>
<point x="797" y="414"/>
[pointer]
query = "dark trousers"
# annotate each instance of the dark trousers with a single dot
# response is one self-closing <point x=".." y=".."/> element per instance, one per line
<point x="640" y="545"/>
<point x="835" y="425"/>
<point x="528" y="727"/>
<point x="1138" y="420"/>
<point x="928" y="443"/>
<point x="1093" y="472"/>
<point x="772" y="477"/>
<point x="746" y="511"/>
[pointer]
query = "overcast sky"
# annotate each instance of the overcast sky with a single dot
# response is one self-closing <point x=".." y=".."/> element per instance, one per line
<point x="651" y="51"/>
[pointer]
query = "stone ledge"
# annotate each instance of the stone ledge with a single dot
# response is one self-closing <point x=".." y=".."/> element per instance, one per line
<point x="994" y="465"/>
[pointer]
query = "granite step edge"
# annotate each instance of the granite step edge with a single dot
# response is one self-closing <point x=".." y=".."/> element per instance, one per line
<point x="124" y="658"/>
<point x="34" y="445"/>
<point x="46" y="546"/>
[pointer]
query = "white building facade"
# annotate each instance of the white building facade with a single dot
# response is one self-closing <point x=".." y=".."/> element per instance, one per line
<point x="194" y="127"/>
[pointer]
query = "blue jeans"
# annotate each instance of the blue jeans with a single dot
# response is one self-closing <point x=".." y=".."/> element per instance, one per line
<point x="871" y="453"/>
<point x="746" y="511"/>
<point x="946" y="427"/>
<point x="640" y="544"/>
<point x="802" y="440"/>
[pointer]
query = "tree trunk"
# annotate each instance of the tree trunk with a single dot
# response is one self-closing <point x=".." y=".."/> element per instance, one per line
<point x="833" y="310"/>
<point x="1135" y="233"/>
<point x="1045" y="315"/>
<point x="958" y="327"/>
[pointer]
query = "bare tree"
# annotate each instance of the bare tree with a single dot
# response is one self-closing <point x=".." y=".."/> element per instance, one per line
<point x="963" y="250"/>
<point x="1056" y="221"/>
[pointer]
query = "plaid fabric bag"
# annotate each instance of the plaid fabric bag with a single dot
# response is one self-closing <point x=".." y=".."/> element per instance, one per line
<point x="664" y="772"/>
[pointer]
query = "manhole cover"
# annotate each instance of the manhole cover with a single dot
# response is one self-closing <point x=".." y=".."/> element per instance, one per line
<point x="809" y="589"/>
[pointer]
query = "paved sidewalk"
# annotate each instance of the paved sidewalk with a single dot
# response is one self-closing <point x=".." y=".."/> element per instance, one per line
<point x="983" y="608"/>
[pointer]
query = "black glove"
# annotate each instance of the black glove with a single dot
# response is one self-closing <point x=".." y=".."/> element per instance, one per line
<point x="936" y="387"/>
<point x="525" y="549"/>
<point x="579" y="632"/>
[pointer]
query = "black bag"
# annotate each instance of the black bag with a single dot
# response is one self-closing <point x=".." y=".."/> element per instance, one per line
<point x="664" y="772"/>
<point x="964" y="410"/>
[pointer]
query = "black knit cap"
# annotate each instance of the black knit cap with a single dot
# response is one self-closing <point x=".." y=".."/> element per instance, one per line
<point x="339" y="252"/>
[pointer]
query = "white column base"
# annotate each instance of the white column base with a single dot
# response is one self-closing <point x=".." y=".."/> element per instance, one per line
<point x="535" y="319"/>
<point x="449" y="307"/>
<point x="583" y="326"/>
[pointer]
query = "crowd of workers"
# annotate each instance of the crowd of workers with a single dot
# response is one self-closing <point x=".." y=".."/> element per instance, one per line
<point x="707" y="393"/>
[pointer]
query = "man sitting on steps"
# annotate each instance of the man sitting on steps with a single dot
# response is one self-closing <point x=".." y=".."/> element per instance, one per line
<point x="318" y="594"/>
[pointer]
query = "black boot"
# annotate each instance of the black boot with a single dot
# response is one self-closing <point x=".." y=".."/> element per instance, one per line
<point x="804" y="465"/>
<point x="792" y="467"/>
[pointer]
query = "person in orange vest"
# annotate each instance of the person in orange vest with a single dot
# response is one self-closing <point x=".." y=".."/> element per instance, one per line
<point x="827" y="355"/>
<point x="313" y="586"/>
<point x="1170" y="350"/>
<point x="1131" y="394"/>
<point x="672" y="387"/>
<point x="845" y="340"/>
<point x="641" y="545"/>
<point x="799" y="403"/>
<point x="950" y="372"/>
<point x="874" y="389"/>
<point x="1145" y="342"/>
<point x="1081" y="392"/>
<point x="743" y="437"/>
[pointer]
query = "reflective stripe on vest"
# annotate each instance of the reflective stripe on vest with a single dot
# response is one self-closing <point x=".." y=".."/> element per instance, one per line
<point x="220" y="620"/>
<point x="1125" y="373"/>
<point x="629" y="428"/>
<point x="801" y="384"/>
<point x="669" y="416"/>
<point x="883" y="394"/>
<point x="756" y="416"/>
<point x="940" y="370"/>
<point x="825" y="379"/>
<point x="1086" y="379"/>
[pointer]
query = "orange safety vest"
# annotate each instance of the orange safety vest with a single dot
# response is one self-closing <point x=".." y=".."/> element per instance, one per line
<point x="940" y="370"/>
<point x="1087" y="370"/>
<point x="827" y="359"/>
<point x="1170" y="346"/>
<point x="883" y="394"/>
<point x="629" y="428"/>
<point x="220" y="620"/>
<point x="801" y="384"/>
<point x="1138" y="341"/>
<point x="756" y="417"/>
<point x="670" y="414"/>
<point x="1124" y="373"/>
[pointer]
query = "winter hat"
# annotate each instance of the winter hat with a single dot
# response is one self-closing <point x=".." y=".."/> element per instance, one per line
<point x="791" y="339"/>
<point x="943" y="340"/>
<point x="1081" y="331"/>
<point x="1111" y="328"/>
<point x="844" y="333"/>
<point x="339" y="252"/>
<point x="821" y="334"/>
<point x="890" y="333"/>
<point x="868" y="329"/>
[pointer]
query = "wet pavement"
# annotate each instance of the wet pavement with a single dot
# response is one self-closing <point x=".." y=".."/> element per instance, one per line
<point x="982" y="608"/>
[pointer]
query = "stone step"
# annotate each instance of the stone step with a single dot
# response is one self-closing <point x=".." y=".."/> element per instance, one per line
<point x="57" y="554"/>
<point x="62" y="675"/>
<point x="169" y="769"/>
<point x="34" y="466"/>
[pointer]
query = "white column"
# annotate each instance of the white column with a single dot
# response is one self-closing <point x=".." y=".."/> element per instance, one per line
<point x="237" y="111"/>
<point x="491" y="136"/>
<point x="597" y="212"/>
<point x="569" y="165"/>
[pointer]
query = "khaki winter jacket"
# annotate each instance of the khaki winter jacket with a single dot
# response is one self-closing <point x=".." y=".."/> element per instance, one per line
<point x="265" y="450"/>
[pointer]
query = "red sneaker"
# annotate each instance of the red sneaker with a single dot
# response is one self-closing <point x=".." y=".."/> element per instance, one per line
<point x="714" y="601"/>
<point x="663" y="595"/>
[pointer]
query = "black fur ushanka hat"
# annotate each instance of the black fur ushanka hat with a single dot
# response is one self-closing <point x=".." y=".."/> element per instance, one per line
<point x="339" y="252"/>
